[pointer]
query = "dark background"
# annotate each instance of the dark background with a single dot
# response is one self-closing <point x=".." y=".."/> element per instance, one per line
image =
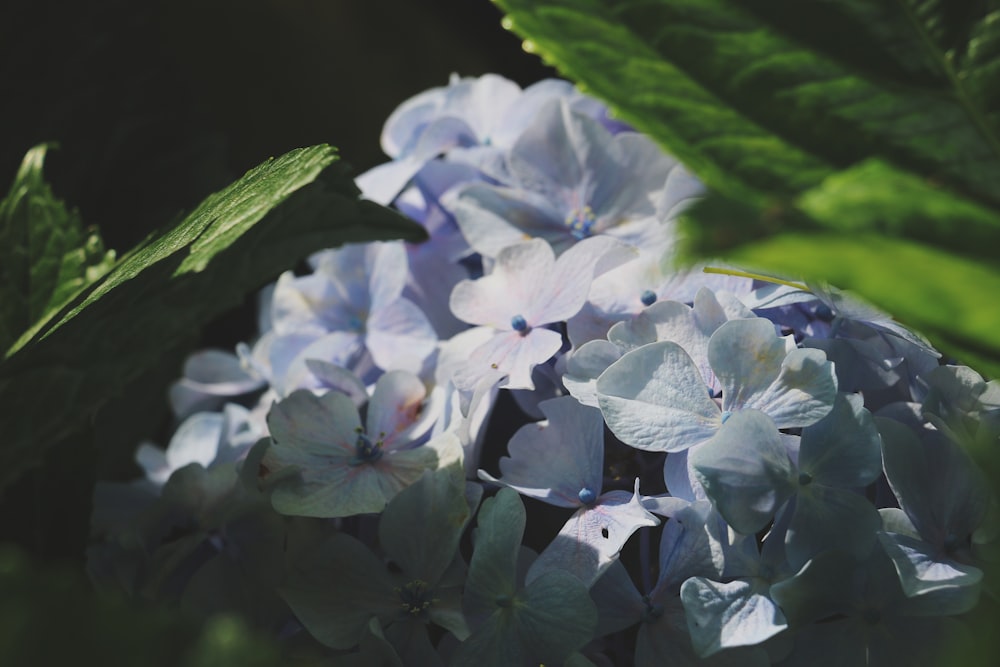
<point x="157" y="103"/>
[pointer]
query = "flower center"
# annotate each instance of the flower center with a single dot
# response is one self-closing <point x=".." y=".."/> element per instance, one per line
<point x="648" y="298"/>
<point x="805" y="479"/>
<point x="355" y="323"/>
<point x="726" y="414"/>
<point x="415" y="598"/>
<point x="366" y="451"/>
<point x="652" y="611"/>
<point x="587" y="496"/>
<point x="580" y="221"/>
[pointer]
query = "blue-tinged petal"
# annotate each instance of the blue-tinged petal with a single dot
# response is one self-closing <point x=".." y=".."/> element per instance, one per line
<point x="551" y="155"/>
<point x="341" y="487"/>
<point x="554" y="616"/>
<point x="680" y="479"/>
<point x="509" y="353"/>
<point x="565" y="291"/>
<point x="619" y="604"/>
<point x="493" y="566"/>
<point x="274" y="354"/>
<point x="942" y="491"/>
<point x="554" y="459"/>
<point x="923" y="569"/>
<point x="395" y="409"/>
<point x="725" y="615"/>
<point x="403" y="126"/>
<point x="384" y="182"/>
<point x="337" y="378"/>
<point x="746" y="356"/>
<point x="894" y="520"/>
<point x="196" y="440"/>
<point x="542" y="624"/>
<point x="310" y="304"/>
<point x="341" y="348"/>
<point x="210" y="377"/>
<point x="585" y="365"/>
<point x="632" y="187"/>
<point x="400" y="337"/>
<point x="664" y="505"/>
<point x="745" y="470"/>
<point x="593" y="537"/>
<point x="492" y="218"/>
<point x="796" y="388"/>
<point x="387" y="267"/>
<point x="421" y="527"/>
<point x="654" y="398"/>
<point x="828" y="585"/>
<point x="316" y="425"/>
<point x="512" y="286"/>
<point x="690" y="546"/>
<point x="409" y="638"/>
<point x="861" y="365"/>
<point x="836" y="643"/>
<point x="830" y="518"/>
<point x="842" y="449"/>
<point x="803" y="393"/>
<point x="336" y="588"/>
<point x="373" y="649"/>
<point x="666" y="640"/>
<point x="689" y="327"/>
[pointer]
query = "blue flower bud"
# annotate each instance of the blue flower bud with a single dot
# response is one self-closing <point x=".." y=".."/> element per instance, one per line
<point x="587" y="496"/>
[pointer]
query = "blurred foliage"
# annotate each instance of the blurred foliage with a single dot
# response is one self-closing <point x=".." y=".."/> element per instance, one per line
<point x="51" y="616"/>
<point x="853" y="142"/>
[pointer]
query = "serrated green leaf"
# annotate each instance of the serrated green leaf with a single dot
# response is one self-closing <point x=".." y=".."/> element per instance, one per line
<point x="46" y="255"/>
<point x="67" y="365"/>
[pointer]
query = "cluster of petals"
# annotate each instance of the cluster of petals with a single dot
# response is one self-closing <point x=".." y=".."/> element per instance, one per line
<point x="802" y="451"/>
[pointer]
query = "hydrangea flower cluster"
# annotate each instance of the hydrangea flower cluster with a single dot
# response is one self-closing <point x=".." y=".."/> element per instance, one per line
<point x="720" y="469"/>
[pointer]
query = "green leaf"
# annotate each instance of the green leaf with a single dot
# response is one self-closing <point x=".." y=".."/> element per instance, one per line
<point x="52" y="615"/>
<point x="46" y="255"/>
<point x="543" y="623"/>
<point x="869" y="130"/>
<point x="71" y="362"/>
<point x="336" y="588"/>
<point x="421" y="527"/>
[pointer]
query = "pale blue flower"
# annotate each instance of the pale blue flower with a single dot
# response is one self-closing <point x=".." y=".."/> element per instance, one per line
<point x="560" y="461"/>
<point x="351" y="312"/>
<point x="569" y="179"/>
<point x="656" y="398"/>
<point x="527" y="290"/>
<point x="323" y="462"/>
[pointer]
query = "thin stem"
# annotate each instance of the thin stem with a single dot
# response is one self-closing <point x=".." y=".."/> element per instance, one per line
<point x="755" y="276"/>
